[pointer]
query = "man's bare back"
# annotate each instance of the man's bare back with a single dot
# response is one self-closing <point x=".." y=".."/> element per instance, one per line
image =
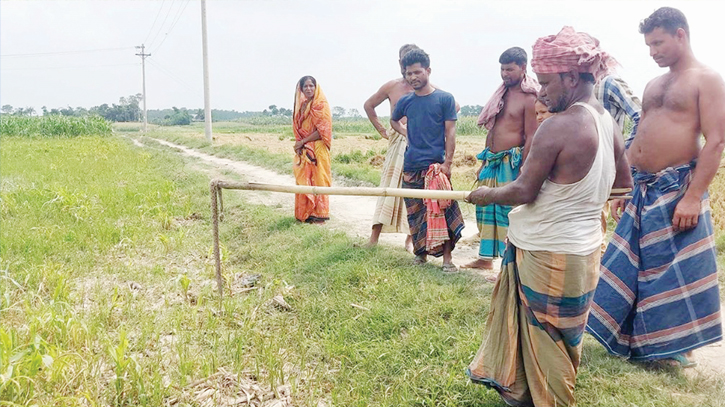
<point x="510" y="128"/>
<point x="670" y="126"/>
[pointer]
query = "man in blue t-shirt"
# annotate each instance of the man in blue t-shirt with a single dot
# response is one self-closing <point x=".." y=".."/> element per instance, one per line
<point x="431" y="133"/>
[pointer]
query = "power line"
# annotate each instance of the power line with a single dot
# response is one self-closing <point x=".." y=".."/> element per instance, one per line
<point x="37" y="54"/>
<point x="161" y="27"/>
<point x="66" y="67"/>
<point x="158" y="13"/>
<point x="176" y="19"/>
<point x="168" y="73"/>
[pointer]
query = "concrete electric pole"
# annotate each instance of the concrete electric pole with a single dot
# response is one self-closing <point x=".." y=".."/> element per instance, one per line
<point x="207" y="104"/>
<point x="143" y="69"/>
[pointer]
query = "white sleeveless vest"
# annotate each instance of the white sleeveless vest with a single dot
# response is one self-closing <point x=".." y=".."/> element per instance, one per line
<point x="565" y="218"/>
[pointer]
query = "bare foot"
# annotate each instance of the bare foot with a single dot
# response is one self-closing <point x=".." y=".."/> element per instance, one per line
<point x="374" y="236"/>
<point x="479" y="264"/>
<point x="491" y="278"/>
<point x="409" y="244"/>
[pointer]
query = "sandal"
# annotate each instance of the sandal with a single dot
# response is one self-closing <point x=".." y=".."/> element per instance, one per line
<point x="683" y="361"/>
<point x="450" y="268"/>
<point x="419" y="261"/>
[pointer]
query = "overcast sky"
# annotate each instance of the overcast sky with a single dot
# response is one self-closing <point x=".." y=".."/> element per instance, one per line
<point x="259" y="49"/>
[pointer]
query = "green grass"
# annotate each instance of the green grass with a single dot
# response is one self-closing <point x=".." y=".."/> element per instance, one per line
<point x="107" y="298"/>
<point x="53" y="126"/>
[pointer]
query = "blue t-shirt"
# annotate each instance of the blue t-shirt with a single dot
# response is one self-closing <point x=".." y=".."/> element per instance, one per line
<point x="427" y="116"/>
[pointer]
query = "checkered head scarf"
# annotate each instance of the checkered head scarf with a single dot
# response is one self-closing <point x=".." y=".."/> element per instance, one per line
<point x="570" y="49"/>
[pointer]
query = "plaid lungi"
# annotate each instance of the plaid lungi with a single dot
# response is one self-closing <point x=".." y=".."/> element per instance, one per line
<point x="417" y="216"/>
<point x="498" y="170"/>
<point x="658" y="291"/>
<point x="539" y="309"/>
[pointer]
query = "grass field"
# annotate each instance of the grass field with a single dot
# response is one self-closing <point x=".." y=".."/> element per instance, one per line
<point x="107" y="297"/>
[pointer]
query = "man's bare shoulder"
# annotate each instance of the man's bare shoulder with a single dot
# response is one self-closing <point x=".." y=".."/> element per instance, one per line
<point x="708" y="76"/>
<point x="393" y="85"/>
<point x="530" y="98"/>
<point x="657" y="79"/>
<point x="563" y="124"/>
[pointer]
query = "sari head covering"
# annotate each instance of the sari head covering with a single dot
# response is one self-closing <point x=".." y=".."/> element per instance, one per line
<point x="570" y="50"/>
<point x="312" y="164"/>
<point x="312" y="115"/>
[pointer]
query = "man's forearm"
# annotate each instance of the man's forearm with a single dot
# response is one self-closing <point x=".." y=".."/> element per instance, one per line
<point x="450" y="146"/>
<point x="373" y="117"/>
<point x="708" y="162"/>
<point x="395" y="124"/>
<point x="512" y="194"/>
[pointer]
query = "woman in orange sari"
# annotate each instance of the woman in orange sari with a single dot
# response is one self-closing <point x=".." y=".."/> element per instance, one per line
<point x="312" y="126"/>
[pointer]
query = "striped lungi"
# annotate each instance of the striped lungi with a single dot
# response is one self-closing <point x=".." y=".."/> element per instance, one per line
<point x="417" y="216"/>
<point x="498" y="169"/>
<point x="658" y="291"/>
<point x="390" y="211"/>
<point x="539" y="309"/>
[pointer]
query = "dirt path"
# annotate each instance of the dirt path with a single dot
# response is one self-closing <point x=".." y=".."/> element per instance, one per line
<point x="352" y="215"/>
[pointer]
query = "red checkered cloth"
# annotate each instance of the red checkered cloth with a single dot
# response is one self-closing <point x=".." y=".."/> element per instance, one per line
<point x="437" y="232"/>
<point x="494" y="105"/>
<point x="570" y="49"/>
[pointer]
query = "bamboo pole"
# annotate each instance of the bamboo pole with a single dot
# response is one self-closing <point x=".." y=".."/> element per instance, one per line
<point x="363" y="191"/>
<point x="216" y="187"/>
<point x="357" y="191"/>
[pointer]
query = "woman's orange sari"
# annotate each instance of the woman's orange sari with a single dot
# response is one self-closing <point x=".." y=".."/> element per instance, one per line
<point x="312" y="166"/>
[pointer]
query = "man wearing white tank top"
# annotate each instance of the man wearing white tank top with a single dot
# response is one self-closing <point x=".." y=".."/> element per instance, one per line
<point x="532" y="348"/>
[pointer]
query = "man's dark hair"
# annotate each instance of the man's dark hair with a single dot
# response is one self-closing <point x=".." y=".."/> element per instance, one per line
<point x="405" y="49"/>
<point x="668" y="19"/>
<point x="304" y="79"/>
<point x="516" y="55"/>
<point x="583" y="76"/>
<point x="416" y="56"/>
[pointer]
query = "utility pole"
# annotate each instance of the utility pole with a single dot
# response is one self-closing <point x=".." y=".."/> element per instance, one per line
<point x="207" y="104"/>
<point x="143" y="69"/>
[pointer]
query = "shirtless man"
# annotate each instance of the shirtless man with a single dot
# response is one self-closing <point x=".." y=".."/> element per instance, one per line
<point x="510" y="119"/>
<point x="657" y="297"/>
<point x="390" y="214"/>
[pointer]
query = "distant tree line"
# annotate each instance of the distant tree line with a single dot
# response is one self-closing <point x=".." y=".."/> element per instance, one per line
<point x="128" y="110"/>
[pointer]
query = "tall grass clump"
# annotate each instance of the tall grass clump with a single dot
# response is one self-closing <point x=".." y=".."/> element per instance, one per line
<point x="54" y="126"/>
<point x="356" y="125"/>
<point x="466" y="126"/>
